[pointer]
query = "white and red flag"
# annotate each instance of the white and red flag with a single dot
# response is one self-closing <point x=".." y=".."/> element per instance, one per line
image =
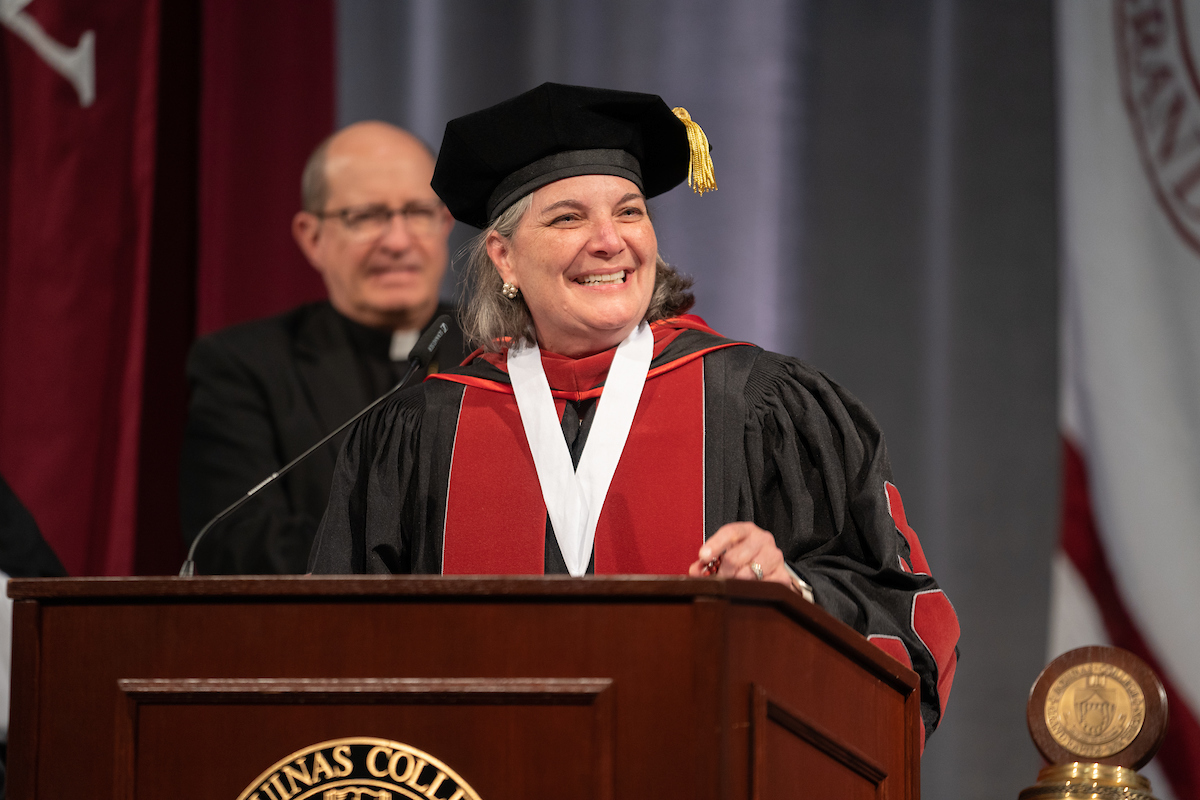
<point x="1128" y="567"/>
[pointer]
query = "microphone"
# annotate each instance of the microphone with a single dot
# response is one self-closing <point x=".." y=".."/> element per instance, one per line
<point x="418" y="358"/>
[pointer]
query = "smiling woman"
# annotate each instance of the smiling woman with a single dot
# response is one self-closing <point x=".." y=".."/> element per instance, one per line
<point x="598" y="429"/>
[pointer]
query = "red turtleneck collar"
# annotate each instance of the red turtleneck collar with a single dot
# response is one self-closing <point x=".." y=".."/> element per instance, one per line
<point x="580" y="378"/>
<point x="567" y="374"/>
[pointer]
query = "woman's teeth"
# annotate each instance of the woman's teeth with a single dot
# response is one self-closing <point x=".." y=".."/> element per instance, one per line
<point x="593" y="280"/>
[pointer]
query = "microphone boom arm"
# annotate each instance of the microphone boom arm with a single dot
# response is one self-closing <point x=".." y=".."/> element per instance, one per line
<point x="420" y="355"/>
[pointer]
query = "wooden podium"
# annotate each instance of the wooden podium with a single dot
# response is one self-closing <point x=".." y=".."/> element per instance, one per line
<point x="528" y="688"/>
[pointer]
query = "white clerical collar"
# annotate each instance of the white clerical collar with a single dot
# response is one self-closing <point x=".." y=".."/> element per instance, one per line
<point x="574" y="497"/>
<point x="402" y="344"/>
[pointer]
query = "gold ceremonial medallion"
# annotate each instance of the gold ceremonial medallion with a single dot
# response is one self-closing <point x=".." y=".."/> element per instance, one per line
<point x="1095" y="710"/>
<point x="359" y="768"/>
<point x="1097" y="714"/>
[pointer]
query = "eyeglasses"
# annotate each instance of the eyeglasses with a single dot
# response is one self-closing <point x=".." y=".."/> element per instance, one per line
<point x="371" y="222"/>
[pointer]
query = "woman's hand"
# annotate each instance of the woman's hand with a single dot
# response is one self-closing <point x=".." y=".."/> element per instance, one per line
<point x="741" y="547"/>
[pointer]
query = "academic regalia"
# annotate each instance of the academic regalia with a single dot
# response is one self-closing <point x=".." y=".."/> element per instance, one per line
<point x="442" y="479"/>
<point x="724" y="432"/>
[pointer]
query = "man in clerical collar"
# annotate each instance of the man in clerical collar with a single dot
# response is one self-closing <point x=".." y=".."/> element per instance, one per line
<point x="264" y="391"/>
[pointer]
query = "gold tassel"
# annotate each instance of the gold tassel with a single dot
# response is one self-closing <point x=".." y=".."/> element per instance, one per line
<point x="700" y="168"/>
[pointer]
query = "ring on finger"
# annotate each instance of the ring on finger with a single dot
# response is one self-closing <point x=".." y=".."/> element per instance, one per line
<point x="757" y="569"/>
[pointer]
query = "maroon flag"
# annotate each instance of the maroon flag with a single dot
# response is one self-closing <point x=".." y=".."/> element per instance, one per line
<point x="78" y="99"/>
<point x="99" y="106"/>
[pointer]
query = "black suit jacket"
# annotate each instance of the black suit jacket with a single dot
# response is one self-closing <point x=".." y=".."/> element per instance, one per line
<point x="261" y="394"/>
<point x="23" y="551"/>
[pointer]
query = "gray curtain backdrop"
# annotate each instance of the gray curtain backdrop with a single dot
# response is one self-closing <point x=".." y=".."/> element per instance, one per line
<point x="886" y="212"/>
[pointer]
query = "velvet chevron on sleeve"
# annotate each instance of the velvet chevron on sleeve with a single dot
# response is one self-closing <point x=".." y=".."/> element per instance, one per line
<point x="817" y="476"/>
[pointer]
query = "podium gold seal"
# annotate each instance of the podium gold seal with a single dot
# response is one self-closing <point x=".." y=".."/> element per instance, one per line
<point x="1095" y="710"/>
<point x="359" y="768"/>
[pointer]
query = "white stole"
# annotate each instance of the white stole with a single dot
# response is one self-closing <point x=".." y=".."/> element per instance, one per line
<point x="574" y="497"/>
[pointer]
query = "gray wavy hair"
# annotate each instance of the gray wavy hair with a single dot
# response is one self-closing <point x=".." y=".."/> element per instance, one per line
<point x="489" y="317"/>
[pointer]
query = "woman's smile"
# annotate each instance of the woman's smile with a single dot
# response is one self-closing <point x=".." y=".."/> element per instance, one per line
<point x="602" y="280"/>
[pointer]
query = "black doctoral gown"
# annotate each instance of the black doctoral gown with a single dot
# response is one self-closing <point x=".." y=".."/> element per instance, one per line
<point x="782" y="446"/>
